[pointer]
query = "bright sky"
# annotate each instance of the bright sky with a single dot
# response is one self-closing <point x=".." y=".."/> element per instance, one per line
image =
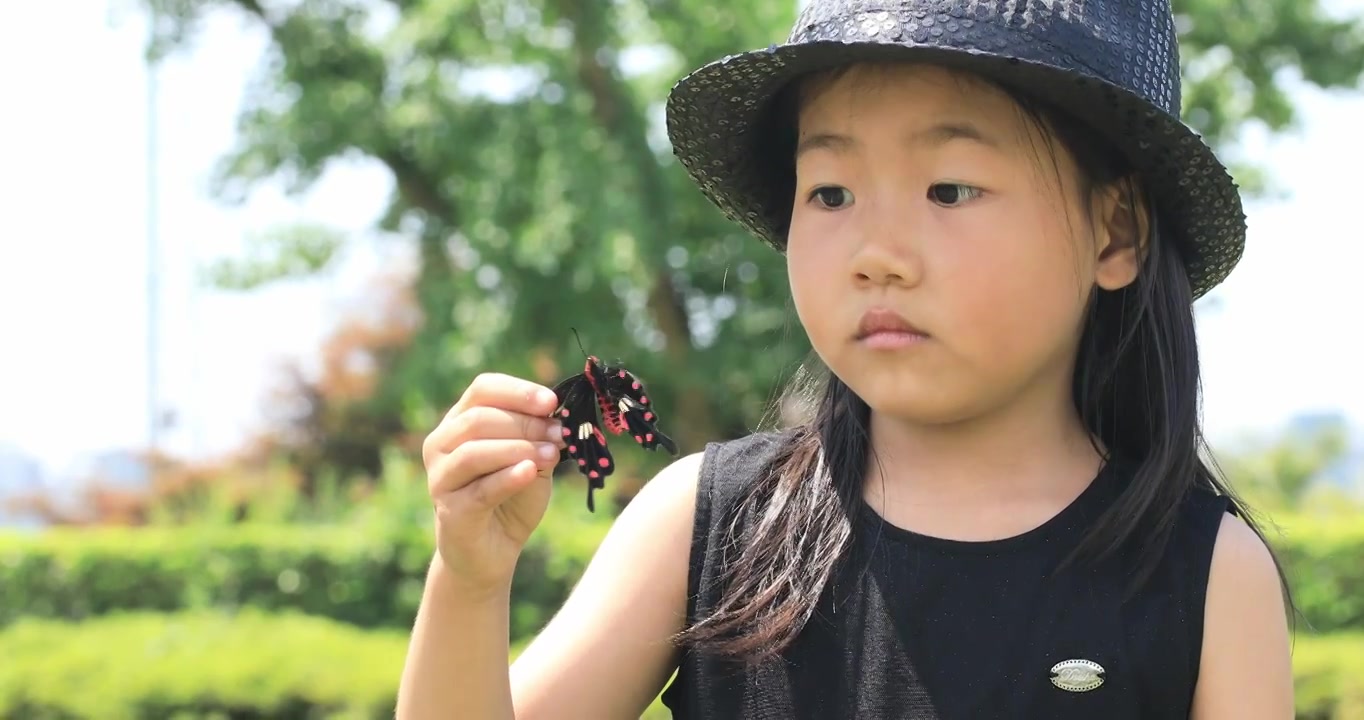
<point x="73" y="257"/>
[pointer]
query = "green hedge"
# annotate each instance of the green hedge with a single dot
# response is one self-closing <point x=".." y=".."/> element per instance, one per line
<point x="285" y="666"/>
<point x="1328" y="673"/>
<point x="335" y="572"/>
<point x="155" y="666"/>
<point x="372" y="577"/>
<point x="369" y="577"/>
<point x="1324" y="559"/>
<point x="152" y="666"/>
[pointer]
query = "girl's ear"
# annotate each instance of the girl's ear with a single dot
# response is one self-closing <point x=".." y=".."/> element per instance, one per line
<point x="1121" y="231"/>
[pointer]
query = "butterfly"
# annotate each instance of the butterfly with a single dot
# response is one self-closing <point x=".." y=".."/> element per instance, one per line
<point x="603" y="396"/>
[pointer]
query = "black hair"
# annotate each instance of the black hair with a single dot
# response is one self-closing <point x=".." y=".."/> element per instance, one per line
<point x="1135" y="387"/>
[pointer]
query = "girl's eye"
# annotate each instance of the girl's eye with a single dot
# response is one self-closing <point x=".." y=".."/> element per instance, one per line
<point x="832" y="197"/>
<point x="952" y="193"/>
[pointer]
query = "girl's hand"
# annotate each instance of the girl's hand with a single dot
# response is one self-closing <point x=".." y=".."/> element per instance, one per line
<point x="488" y="467"/>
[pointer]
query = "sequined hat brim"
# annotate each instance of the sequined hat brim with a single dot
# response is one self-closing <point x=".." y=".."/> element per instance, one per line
<point x="717" y="120"/>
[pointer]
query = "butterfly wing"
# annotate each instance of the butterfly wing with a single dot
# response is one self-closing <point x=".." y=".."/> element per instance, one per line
<point x="586" y="446"/>
<point x="629" y="402"/>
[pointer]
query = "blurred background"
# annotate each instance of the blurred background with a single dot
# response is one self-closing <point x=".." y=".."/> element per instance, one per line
<point x="251" y="250"/>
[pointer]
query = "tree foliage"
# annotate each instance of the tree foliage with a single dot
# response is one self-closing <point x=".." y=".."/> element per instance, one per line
<point x="1298" y="472"/>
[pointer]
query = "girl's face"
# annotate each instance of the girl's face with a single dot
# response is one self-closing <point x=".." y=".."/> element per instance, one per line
<point x="926" y="200"/>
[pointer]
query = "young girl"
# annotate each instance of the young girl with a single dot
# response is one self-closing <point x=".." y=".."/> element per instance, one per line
<point x="995" y="227"/>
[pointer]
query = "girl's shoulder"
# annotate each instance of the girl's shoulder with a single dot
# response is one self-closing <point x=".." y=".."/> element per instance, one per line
<point x="1200" y="517"/>
<point x="1244" y="664"/>
<point x="728" y="468"/>
<point x="755" y="448"/>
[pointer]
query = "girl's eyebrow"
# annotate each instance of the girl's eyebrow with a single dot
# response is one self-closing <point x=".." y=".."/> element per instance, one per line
<point x="933" y="136"/>
<point x="945" y="132"/>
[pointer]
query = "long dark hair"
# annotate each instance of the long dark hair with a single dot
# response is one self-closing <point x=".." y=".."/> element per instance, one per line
<point x="1135" y="386"/>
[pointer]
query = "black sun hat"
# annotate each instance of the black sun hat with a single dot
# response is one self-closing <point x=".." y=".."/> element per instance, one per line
<point x="1111" y="64"/>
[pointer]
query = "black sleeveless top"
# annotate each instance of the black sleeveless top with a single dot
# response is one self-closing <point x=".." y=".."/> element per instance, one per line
<point x="934" y="629"/>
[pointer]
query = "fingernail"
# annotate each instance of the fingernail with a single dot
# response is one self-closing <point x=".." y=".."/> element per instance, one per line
<point x="547" y="450"/>
<point x="548" y="397"/>
<point x="555" y="432"/>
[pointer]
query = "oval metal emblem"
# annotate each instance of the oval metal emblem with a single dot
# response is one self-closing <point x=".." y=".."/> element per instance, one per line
<point x="1077" y="675"/>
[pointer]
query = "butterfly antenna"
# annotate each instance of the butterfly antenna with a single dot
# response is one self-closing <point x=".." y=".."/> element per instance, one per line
<point x="580" y="341"/>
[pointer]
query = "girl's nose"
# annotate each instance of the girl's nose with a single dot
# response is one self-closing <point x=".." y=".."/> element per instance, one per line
<point x="885" y="253"/>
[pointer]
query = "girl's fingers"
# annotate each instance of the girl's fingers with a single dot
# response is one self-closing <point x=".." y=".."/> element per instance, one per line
<point x="488" y="423"/>
<point x="489" y="491"/>
<point x="474" y="459"/>
<point x="508" y="393"/>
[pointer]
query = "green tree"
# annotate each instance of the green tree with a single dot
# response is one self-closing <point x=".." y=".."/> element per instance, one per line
<point x="530" y="168"/>
<point x="1285" y="473"/>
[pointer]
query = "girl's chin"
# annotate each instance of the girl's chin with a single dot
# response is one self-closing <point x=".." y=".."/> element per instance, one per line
<point x="914" y="399"/>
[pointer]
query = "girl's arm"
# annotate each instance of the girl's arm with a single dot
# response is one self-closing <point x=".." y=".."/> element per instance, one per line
<point x="606" y="653"/>
<point x="1246" y="672"/>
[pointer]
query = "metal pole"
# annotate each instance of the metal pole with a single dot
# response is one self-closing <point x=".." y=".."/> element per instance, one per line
<point x="153" y="258"/>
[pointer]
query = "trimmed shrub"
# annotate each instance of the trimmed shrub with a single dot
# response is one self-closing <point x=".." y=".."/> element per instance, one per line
<point x="361" y="574"/>
<point x="330" y="571"/>
<point x="153" y="666"/>
<point x="1324" y="559"/>
<point x="1328" y="673"/>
